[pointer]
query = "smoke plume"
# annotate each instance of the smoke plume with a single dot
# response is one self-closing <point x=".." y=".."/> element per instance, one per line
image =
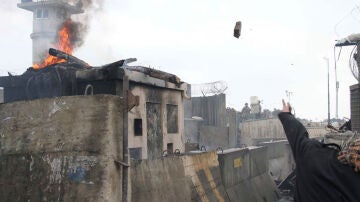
<point x="80" y="24"/>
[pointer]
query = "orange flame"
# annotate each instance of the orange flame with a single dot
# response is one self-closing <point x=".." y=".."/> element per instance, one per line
<point x="64" y="45"/>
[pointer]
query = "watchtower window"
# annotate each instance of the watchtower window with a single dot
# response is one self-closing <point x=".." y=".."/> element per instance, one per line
<point x="42" y="13"/>
<point x="45" y="13"/>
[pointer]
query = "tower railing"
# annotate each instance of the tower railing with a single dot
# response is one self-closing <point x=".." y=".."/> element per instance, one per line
<point x="35" y="1"/>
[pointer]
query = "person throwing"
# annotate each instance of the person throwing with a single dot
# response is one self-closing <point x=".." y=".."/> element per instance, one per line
<point x="323" y="173"/>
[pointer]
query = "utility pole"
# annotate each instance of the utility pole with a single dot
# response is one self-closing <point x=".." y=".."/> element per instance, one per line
<point x="337" y="95"/>
<point x="328" y="88"/>
<point x="337" y="88"/>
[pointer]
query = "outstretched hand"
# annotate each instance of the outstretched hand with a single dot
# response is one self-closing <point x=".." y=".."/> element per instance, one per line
<point x="286" y="107"/>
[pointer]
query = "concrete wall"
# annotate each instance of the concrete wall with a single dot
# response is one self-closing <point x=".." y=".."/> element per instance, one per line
<point x="162" y="97"/>
<point x="61" y="149"/>
<point x="212" y="109"/>
<point x="218" y="126"/>
<point x="232" y="124"/>
<point x="244" y="175"/>
<point x="192" y="129"/>
<point x="188" y="103"/>
<point x="213" y="137"/>
<point x="270" y="128"/>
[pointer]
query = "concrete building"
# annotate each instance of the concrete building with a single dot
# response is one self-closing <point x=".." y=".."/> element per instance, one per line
<point x="48" y="16"/>
<point x="155" y="119"/>
<point x="156" y="124"/>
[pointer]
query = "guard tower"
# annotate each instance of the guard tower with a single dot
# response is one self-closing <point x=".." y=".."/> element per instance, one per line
<point x="48" y="16"/>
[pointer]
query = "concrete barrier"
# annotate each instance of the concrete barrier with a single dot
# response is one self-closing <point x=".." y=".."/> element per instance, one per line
<point x="160" y="180"/>
<point x="203" y="169"/>
<point x="193" y="177"/>
<point x="231" y="175"/>
<point x="244" y="175"/>
<point x="280" y="159"/>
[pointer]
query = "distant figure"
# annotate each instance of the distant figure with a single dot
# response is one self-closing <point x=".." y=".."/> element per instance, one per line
<point x="266" y="114"/>
<point x="323" y="173"/>
<point x="245" y="112"/>
<point x="256" y="110"/>
<point x="276" y="112"/>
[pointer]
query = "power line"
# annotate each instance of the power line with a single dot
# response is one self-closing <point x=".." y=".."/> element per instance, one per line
<point x="342" y="19"/>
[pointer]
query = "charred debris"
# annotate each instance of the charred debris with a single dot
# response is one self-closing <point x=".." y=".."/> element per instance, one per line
<point x="76" y="77"/>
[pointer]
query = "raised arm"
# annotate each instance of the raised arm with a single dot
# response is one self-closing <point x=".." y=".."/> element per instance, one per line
<point x="295" y="132"/>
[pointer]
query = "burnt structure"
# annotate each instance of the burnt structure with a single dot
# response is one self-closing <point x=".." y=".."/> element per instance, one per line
<point x="63" y="79"/>
<point x="75" y="77"/>
<point x="155" y="109"/>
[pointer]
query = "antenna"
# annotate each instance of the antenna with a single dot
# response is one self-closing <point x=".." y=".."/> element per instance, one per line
<point x="328" y="88"/>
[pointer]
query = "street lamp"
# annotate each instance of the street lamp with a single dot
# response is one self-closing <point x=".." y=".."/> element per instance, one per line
<point x="328" y="87"/>
<point x="337" y="88"/>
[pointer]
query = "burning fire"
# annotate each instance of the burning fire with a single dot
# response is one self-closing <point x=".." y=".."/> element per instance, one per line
<point x="64" y="45"/>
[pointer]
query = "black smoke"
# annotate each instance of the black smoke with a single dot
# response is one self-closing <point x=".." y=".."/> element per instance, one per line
<point x="79" y="24"/>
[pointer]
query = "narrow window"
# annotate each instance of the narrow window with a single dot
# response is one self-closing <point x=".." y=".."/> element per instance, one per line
<point x="172" y="118"/>
<point x="45" y="13"/>
<point x="138" y="127"/>
<point x="38" y="13"/>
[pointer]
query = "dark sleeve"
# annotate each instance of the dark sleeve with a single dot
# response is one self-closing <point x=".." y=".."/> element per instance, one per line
<point x="295" y="132"/>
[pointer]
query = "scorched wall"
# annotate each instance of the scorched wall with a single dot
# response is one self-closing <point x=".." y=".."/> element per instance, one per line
<point x="61" y="149"/>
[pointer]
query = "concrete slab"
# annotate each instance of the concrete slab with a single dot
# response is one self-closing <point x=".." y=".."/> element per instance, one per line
<point x="234" y="166"/>
<point x="160" y="180"/>
<point x="258" y="161"/>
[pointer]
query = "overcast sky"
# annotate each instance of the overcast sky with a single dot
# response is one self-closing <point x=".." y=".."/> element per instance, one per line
<point x="282" y="45"/>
